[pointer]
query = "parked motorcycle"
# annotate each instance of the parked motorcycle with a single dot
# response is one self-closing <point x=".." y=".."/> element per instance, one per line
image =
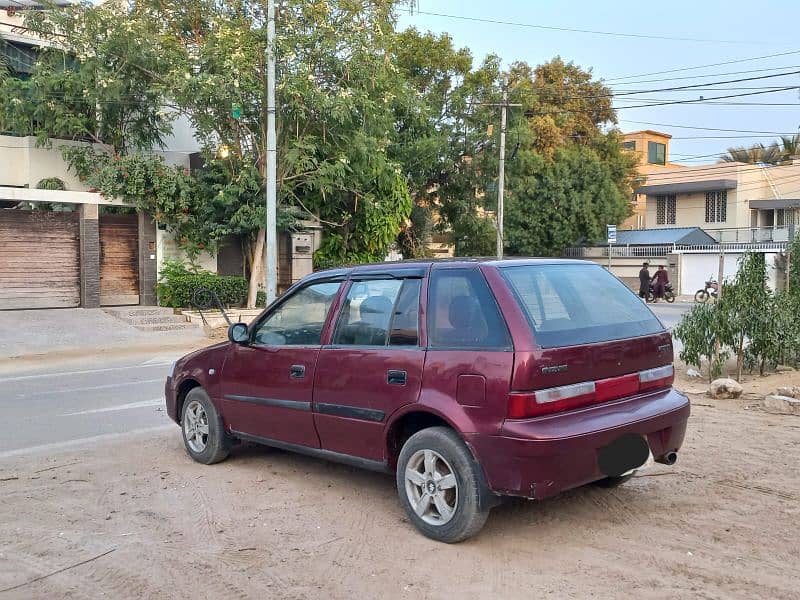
<point x="669" y="294"/>
<point x="711" y="290"/>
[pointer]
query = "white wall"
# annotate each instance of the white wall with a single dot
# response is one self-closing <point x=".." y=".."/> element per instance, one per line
<point x="696" y="268"/>
<point x="167" y="249"/>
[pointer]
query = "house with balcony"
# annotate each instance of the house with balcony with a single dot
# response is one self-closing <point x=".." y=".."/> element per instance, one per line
<point x="733" y="202"/>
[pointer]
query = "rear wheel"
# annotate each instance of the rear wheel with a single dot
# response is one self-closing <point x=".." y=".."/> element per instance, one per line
<point x="203" y="433"/>
<point x="440" y="486"/>
<point x="651" y="297"/>
<point x="701" y="296"/>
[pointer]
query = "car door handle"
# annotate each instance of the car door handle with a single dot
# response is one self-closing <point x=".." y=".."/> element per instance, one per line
<point x="297" y="371"/>
<point x="396" y="377"/>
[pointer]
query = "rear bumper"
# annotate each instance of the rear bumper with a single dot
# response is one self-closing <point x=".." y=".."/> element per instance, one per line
<point x="540" y="457"/>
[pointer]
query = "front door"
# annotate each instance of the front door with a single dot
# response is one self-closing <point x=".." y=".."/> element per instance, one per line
<point x="372" y="367"/>
<point x="267" y="384"/>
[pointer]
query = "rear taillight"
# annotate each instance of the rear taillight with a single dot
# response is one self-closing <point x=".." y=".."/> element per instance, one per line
<point x="522" y="405"/>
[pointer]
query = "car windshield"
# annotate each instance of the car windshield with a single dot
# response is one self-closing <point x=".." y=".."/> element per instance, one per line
<point x="572" y="304"/>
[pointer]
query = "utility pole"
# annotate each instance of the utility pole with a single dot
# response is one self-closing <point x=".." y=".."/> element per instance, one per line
<point x="501" y="177"/>
<point x="271" y="241"/>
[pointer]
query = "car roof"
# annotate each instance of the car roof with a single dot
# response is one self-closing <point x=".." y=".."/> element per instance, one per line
<point x="418" y="267"/>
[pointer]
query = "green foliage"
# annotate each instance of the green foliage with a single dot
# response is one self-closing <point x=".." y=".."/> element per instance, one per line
<point x="775" y="153"/>
<point x="177" y="283"/>
<point x="793" y="252"/>
<point x="698" y="332"/>
<point x="761" y="329"/>
<point x="553" y="204"/>
<point x="51" y="183"/>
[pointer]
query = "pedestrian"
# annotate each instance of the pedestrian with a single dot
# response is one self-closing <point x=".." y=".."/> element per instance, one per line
<point x="644" y="281"/>
<point x="660" y="281"/>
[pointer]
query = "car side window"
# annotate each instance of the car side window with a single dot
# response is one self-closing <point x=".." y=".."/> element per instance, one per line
<point x="367" y="313"/>
<point x="462" y="312"/>
<point x="299" y="320"/>
<point x="405" y="321"/>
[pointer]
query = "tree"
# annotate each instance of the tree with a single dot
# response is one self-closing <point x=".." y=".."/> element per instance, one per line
<point x="790" y="146"/>
<point x="206" y="60"/>
<point x="755" y="154"/>
<point x="555" y="203"/>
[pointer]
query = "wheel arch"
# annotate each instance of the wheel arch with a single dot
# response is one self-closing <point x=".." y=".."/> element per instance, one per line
<point x="186" y="386"/>
<point x="403" y="425"/>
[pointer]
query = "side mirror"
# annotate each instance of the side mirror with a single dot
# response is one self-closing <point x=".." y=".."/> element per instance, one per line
<point x="238" y="334"/>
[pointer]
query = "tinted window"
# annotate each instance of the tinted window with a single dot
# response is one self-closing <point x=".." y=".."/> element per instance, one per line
<point x="463" y="313"/>
<point x="367" y="313"/>
<point x="299" y="319"/>
<point x="656" y="153"/>
<point x="405" y="323"/>
<point x="576" y="304"/>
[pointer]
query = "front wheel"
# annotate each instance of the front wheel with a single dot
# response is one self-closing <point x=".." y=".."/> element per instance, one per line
<point x="669" y="297"/>
<point x="203" y="433"/>
<point x="701" y="296"/>
<point x="440" y="486"/>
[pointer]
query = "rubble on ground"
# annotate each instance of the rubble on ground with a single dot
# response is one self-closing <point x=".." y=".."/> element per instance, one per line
<point x="724" y="389"/>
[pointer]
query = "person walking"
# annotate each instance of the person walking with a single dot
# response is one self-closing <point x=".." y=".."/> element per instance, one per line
<point x="644" y="281"/>
<point x="660" y="281"/>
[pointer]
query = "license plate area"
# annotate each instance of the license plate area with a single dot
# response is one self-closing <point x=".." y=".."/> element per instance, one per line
<point x="626" y="453"/>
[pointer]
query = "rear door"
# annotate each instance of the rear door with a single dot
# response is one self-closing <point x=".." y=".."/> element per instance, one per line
<point x="372" y="367"/>
<point x="588" y="326"/>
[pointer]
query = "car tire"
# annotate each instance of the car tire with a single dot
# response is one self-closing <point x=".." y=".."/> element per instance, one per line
<point x="612" y="482"/>
<point x="448" y="491"/>
<point x="203" y="432"/>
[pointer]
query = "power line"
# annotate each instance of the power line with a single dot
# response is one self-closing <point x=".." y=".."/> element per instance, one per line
<point x="704" y="128"/>
<point x="719" y="64"/>
<point x="701" y="85"/>
<point x="708" y="75"/>
<point x="705" y="99"/>
<point x="576" y="30"/>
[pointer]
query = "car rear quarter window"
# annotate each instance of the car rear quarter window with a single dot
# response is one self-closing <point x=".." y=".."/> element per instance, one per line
<point x="573" y="304"/>
<point x="462" y="312"/>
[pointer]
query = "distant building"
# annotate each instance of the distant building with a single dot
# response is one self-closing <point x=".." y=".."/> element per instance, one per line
<point x="733" y="202"/>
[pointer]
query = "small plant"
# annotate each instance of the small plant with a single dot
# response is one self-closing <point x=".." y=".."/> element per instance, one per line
<point x="700" y="332"/>
<point x="51" y="183"/>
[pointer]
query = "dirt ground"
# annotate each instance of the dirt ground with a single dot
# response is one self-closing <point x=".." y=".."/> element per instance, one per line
<point x="721" y="523"/>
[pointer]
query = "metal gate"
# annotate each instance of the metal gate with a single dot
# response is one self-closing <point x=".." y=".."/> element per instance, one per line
<point x="119" y="260"/>
<point x="39" y="259"/>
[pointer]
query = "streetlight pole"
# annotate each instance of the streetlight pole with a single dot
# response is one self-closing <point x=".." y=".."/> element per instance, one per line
<point x="271" y="241"/>
<point x="501" y="176"/>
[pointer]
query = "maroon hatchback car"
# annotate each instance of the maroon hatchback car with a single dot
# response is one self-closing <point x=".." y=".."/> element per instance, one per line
<point x="469" y="379"/>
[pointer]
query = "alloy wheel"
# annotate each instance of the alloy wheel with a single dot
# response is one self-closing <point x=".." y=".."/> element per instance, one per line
<point x="195" y="426"/>
<point x="431" y="487"/>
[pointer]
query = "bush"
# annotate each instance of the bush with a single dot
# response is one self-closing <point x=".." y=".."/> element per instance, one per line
<point x="177" y="284"/>
<point x="699" y="331"/>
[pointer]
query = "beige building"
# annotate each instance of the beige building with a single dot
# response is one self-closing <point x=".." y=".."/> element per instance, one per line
<point x="733" y="202"/>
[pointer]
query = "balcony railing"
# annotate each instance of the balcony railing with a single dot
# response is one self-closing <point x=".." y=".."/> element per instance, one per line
<point x="754" y="234"/>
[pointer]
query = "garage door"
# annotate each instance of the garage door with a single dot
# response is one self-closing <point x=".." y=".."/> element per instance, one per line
<point x="39" y="259"/>
<point x="119" y="260"/>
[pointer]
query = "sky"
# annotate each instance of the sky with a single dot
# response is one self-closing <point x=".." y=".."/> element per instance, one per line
<point x="711" y="31"/>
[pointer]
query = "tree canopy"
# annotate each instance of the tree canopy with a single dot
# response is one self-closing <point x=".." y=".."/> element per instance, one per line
<point x="384" y="136"/>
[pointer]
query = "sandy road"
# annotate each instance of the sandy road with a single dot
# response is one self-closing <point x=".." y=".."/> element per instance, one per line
<point x="722" y="523"/>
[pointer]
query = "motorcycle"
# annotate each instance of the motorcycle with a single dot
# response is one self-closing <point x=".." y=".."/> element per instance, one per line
<point x="669" y="294"/>
<point x="711" y="290"/>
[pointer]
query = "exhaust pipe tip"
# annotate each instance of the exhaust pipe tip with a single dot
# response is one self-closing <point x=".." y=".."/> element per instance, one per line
<point x="670" y="458"/>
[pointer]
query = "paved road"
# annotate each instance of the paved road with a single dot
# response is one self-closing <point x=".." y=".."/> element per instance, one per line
<point x="670" y="314"/>
<point x="57" y="404"/>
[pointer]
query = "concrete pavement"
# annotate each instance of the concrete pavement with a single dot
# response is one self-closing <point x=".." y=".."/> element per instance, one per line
<point x="27" y="332"/>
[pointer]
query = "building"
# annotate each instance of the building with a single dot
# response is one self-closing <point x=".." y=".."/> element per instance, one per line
<point x="652" y="149"/>
<point x="733" y="202"/>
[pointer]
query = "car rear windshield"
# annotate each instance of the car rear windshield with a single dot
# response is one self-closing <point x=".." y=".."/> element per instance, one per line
<point x="571" y="304"/>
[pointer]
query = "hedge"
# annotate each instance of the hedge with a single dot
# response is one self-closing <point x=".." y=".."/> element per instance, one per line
<point x="177" y="291"/>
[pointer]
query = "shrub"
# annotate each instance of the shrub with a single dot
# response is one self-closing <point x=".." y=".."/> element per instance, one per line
<point x="700" y="331"/>
<point x="177" y="284"/>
